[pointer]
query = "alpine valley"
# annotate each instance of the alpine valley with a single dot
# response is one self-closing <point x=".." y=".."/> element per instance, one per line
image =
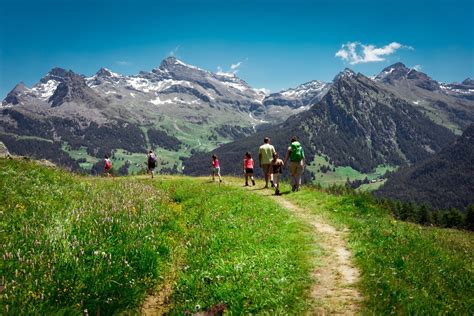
<point x="176" y="109"/>
<point x="353" y="128"/>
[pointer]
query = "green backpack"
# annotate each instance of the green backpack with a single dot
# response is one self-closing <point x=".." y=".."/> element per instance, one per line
<point x="296" y="153"/>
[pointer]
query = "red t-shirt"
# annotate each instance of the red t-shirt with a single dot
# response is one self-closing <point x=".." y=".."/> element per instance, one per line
<point x="248" y="163"/>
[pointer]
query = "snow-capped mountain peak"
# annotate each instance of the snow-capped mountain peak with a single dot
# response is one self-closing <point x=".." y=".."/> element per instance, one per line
<point x="346" y="73"/>
<point x="312" y="86"/>
<point x="393" y="72"/>
<point x="105" y="72"/>
<point x="172" y="63"/>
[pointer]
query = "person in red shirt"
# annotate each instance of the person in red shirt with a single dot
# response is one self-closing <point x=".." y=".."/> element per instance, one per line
<point x="216" y="169"/>
<point x="248" y="168"/>
<point x="107" y="165"/>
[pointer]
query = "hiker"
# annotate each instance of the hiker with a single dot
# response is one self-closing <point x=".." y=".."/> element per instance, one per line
<point x="296" y="155"/>
<point x="151" y="157"/>
<point x="265" y="156"/>
<point x="248" y="168"/>
<point x="216" y="169"/>
<point x="107" y="165"/>
<point x="277" y="168"/>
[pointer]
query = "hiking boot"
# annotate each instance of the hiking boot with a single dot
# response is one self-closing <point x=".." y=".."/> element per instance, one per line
<point x="246" y="184"/>
<point x="277" y="192"/>
<point x="271" y="182"/>
<point x="253" y="182"/>
<point x="293" y="188"/>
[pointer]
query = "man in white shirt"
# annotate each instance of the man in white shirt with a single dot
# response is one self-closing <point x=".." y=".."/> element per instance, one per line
<point x="265" y="156"/>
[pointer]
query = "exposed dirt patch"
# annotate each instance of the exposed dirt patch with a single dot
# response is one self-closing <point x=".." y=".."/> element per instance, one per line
<point x="335" y="289"/>
<point x="158" y="303"/>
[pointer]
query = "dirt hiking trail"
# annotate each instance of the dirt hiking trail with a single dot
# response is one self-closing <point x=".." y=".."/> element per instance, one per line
<point x="334" y="291"/>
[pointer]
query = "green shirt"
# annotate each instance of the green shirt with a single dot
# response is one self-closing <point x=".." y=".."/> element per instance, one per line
<point x="265" y="152"/>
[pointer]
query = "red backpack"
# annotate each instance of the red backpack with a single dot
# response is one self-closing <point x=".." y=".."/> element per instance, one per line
<point x="108" y="164"/>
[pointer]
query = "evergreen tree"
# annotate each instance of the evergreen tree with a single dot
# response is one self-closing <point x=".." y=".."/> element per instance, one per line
<point x="424" y="215"/>
<point x="437" y="218"/>
<point x="470" y="217"/>
<point x="453" y="218"/>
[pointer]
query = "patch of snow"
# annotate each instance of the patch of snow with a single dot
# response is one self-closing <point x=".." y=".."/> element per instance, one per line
<point x="234" y="85"/>
<point x="301" y="90"/>
<point x="45" y="90"/>
<point x="175" y="100"/>
<point x="179" y="62"/>
<point x="146" y="85"/>
<point x="157" y="101"/>
<point x="132" y="94"/>
<point x="416" y="102"/>
<point x="225" y="74"/>
<point x="113" y="74"/>
<point x="253" y="118"/>
<point x="384" y="74"/>
<point x="264" y="91"/>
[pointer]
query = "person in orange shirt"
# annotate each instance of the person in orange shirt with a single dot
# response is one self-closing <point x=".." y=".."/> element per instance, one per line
<point x="248" y="168"/>
<point x="216" y="169"/>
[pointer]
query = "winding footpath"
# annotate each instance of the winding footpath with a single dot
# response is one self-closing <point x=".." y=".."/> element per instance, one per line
<point x="334" y="291"/>
<point x="335" y="277"/>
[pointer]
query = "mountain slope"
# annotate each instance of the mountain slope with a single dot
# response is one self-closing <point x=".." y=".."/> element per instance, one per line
<point x="86" y="117"/>
<point x="287" y="102"/>
<point x="444" y="180"/>
<point x="450" y="105"/>
<point x="358" y="123"/>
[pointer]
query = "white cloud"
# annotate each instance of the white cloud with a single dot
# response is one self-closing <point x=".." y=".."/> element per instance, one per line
<point x="234" y="69"/>
<point x="123" y="63"/>
<point x="174" y="51"/>
<point x="357" y="53"/>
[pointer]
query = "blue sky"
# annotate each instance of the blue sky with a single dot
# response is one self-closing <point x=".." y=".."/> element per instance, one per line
<point x="280" y="44"/>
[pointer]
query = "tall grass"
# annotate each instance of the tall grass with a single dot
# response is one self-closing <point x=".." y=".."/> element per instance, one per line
<point x="74" y="245"/>
<point x="80" y="245"/>
<point x="406" y="268"/>
<point x="243" y="251"/>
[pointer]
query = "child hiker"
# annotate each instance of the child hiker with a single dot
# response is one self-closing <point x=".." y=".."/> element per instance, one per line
<point x="216" y="169"/>
<point x="277" y="168"/>
<point x="151" y="162"/>
<point x="248" y="168"/>
<point x="107" y="165"/>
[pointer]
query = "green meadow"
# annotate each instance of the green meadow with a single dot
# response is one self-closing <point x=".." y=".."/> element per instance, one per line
<point x="74" y="245"/>
<point x="71" y="244"/>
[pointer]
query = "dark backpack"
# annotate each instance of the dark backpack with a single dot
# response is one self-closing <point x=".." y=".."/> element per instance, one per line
<point x="296" y="153"/>
<point x="152" y="159"/>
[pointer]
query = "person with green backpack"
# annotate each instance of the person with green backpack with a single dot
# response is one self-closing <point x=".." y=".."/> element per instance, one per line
<point x="295" y="154"/>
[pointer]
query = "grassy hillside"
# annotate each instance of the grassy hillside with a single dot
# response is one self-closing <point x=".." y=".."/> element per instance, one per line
<point x="405" y="268"/>
<point x="72" y="243"/>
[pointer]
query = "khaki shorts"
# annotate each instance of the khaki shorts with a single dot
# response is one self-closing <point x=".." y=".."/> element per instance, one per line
<point x="296" y="169"/>
<point x="267" y="168"/>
